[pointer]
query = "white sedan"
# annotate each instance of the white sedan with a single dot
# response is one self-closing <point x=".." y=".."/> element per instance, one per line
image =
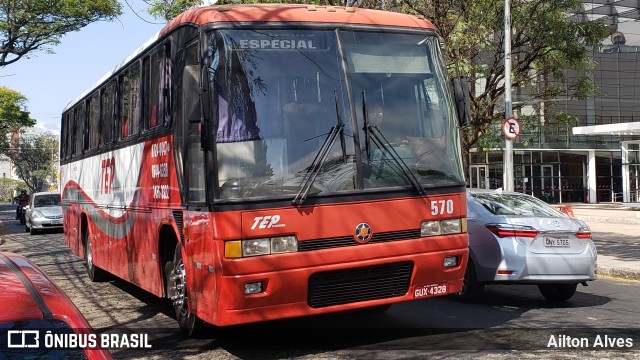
<point x="515" y="238"/>
<point x="44" y="212"/>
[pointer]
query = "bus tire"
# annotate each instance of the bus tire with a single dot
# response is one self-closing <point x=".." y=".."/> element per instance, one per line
<point x="95" y="273"/>
<point x="189" y="323"/>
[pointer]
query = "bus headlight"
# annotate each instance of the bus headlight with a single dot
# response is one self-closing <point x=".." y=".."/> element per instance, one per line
<point x="430" y="228"/>
<point x="255" y="247"/>
<point x="443" y="227"/>
<point x="284" y="244"/>
<point x="451" y="226"/>
<point x="264" y="246"/>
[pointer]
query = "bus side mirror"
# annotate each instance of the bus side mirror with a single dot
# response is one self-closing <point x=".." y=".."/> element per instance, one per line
<point x="462" y="98"/>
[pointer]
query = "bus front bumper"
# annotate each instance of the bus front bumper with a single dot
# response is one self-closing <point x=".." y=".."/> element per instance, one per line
<point x="332" y="286"/>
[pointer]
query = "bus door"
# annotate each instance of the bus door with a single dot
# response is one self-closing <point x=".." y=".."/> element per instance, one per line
<point x="196" y="218"/>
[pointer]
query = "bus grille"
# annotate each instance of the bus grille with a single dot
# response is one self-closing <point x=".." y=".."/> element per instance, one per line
<point x="359" y="284"/>
<point x="318" y="244"/>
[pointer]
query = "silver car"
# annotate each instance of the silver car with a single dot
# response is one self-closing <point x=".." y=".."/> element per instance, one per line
<point x="43" y="212"/>
<point x="515" y="238"/>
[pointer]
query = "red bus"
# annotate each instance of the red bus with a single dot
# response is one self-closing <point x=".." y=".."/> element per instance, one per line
<point x="258" y="162"/>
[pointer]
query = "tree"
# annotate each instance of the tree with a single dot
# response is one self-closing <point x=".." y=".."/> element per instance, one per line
<point x="9" y="188"/>
<point x="13" y="113"/>
<point x="168" y="9"/>
<point x="546" y="42"/>
<point x="30" y="25"/>
<point x="34" y="156"/>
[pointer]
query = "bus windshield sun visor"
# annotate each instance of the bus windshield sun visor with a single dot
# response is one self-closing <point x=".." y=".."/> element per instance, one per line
<point x="379" y="139"/>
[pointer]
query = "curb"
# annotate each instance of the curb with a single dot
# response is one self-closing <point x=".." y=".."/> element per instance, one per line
<point x="619" y="273"/>
<point x="609" y="220"/>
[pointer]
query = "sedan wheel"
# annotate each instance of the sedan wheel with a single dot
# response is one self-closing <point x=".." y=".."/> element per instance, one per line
<point x="471" y="289"/>
<point x="557" y="292"/>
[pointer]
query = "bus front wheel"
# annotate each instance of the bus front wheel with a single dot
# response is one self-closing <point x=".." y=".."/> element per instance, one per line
<point x="189" y="323"/>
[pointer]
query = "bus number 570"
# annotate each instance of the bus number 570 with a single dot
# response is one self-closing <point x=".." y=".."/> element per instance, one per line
<point x="441" y="207"/>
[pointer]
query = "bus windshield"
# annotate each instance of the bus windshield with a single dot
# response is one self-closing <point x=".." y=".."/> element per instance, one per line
<point x="280" y="93"/>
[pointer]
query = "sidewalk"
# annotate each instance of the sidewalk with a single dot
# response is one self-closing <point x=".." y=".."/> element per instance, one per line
<point x="616" y="232"/>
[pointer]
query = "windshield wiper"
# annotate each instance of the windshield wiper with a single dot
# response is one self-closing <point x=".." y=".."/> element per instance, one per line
<point x="382" y="143"/>
<point x="367" y="142"/>
<point x="343" y="144"/>
<point x="321" y="157"/>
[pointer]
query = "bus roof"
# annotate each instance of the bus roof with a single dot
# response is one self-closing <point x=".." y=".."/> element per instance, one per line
<point x="272" y="13"/>
<point x="280" y="13"/>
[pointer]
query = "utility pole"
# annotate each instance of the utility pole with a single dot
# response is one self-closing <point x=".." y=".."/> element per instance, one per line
<point x="507" y="175"/>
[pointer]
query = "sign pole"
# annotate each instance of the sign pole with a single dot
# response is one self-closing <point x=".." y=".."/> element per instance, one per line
<point x="508" y="149"/>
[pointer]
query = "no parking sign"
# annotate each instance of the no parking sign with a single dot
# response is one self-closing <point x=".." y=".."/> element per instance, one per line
<point x="511" y="128"/>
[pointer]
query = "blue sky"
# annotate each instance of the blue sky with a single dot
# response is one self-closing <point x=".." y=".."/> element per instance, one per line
<point x="51" y="81"/>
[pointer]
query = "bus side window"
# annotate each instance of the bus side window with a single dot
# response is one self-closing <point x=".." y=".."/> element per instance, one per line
<point x="68" y="137"/>
<point x="129" y="106"/>
<point x="156" y="74"/>
<point x="106" y="126"/>
<point x="134" y="100"/>
<point x="124" y="91"/>
<point x="79" y="129"/>
<point x="94" y="121"/>
<point x="151" y="90"/>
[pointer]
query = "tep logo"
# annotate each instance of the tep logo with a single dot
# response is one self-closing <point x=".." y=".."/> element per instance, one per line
<point x="363" y="233"/>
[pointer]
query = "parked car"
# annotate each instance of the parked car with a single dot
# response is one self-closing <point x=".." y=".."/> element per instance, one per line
<point x="515" y="238"/>
<point x="32" y="305"/>
<point x="43" y="212"/>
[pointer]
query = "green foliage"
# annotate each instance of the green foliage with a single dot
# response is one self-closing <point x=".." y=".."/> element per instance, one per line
<point x="168" y="9"/>
<point x="545" y="43"/>
<point x="13" y="113"/>
<point x="10" y="187"/>
<point x="30" y="25"/>
<point x="34" y="157"/>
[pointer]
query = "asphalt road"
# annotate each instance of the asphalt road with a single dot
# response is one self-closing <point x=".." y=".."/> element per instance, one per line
<point x="511" y="321"/>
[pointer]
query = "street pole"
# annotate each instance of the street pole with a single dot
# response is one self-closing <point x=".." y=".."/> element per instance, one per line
<point x="507" y="175"/>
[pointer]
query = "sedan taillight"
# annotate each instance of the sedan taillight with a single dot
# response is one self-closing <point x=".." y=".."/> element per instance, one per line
<point x="583" y="232"/>
<point x="509" y="230"/>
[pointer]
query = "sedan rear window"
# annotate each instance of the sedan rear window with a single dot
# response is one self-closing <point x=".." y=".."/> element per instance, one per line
<point x="514" y="204"/>
<point x="46" y="200"/>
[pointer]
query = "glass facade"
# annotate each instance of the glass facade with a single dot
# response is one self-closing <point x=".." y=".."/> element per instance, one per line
<point x="554" y="166"/>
